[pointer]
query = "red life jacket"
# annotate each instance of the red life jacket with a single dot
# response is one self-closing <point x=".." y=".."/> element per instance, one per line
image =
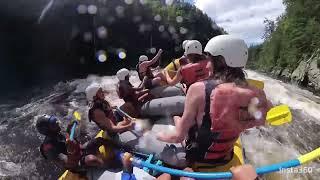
<point x="223" y="123"/>
<point x="194" y="72"/>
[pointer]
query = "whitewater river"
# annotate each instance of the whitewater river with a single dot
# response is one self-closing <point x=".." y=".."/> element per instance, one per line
<point x="19" y="141"/>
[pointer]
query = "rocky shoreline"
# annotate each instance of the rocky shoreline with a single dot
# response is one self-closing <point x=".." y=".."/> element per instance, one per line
<point x="306" y="75"/>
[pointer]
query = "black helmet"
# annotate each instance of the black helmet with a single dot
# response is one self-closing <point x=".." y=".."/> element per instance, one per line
<point x="44" y="122"/>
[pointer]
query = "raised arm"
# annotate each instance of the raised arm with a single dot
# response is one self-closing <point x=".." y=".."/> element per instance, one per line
<point x="154" y="60"/>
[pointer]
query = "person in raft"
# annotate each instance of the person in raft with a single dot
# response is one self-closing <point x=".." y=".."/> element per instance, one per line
<point x="145" y="71"/>
<point x="183" y="60"/>
<point x="66" y="153"/>
<point x="219" y="109"/>
<point x="102" y="113"/>
<point x="198" y="69"/>
<point x="133" y="97"/>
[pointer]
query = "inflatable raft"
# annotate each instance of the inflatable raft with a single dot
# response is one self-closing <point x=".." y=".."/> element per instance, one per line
<point x="169" y="154"/>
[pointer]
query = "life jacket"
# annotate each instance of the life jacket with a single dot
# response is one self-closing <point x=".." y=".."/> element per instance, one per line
<point x="105" y="107"/>
<point x="194" y="72"/>
<point x="147" y="73"/>
<point x="222" y="123"/>
<point x="57" y="145"/>
<point x="127" y="97"/>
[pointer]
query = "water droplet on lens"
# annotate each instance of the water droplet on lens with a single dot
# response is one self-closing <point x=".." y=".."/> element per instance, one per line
<point x="92" y="9"/>
<point x="82" y="9"/>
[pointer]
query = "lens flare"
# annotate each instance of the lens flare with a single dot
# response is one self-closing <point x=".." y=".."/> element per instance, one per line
<point x="120" y="11"/>
<point x="169" y="2"/>
<point x="82" y="9"/>
<point x="92" y="9"/>
<point x="122" y="55"/>
<point x="153" y="50"/>
<point x="102" y="32"/>
<point x="129" y="2"/>
<point x="161" y="28"/>
<point x="137" y="19"/>
<point x="102" y="56"/>
<point x="157" y="17"/>
<point x="179" y="19"/>
<point x="183" y="30"/>
<point x="87" y="36"/>
<point x="142" y="2"/>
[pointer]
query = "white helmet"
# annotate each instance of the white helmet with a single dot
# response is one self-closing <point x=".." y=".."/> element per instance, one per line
<point x="233" y="49"/>
<point x="143" y="58"/>
<point x="92" y="90"/>
<point x="193" y="47"/>
<point x="122" y="73"/>
<point x="184" y="43"/>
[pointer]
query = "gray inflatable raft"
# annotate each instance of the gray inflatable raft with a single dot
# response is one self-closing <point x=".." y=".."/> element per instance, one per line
<point x="147" y="143"/>
<point x="167" y="91"/>
<point x="168" y="106"/>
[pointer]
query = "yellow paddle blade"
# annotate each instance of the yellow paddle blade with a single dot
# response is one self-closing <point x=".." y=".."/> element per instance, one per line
<point x="77" y="115"/>
<point x="279" y="115"/>
<point x="256" y="83"/>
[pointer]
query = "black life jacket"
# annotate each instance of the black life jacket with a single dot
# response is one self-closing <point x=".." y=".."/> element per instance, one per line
<point x="57" y="144"/>
<point x="129" y="97"/>
<point x="106" y="108"/>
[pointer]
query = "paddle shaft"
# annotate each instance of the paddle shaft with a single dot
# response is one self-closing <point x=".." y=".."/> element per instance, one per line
<point x="124" y="113"/>
<point x="73" y="129"/>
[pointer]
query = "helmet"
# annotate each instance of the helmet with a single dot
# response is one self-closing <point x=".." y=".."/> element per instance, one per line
<point x="184" y="43"/>
<point x="92" y="90"/>
<point x="44" y="122"/>
<point x="233" y="49"/>
<point x="193" y="47"/>
<point x="122" y="73"/>
<point x="143" y="58"/>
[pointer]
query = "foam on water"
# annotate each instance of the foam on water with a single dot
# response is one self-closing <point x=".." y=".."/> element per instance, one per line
<point x="19" y="140"/>
<point x="282" y="93"/>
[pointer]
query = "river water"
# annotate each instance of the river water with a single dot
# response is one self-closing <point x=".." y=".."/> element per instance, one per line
<point x="19" y="141"/>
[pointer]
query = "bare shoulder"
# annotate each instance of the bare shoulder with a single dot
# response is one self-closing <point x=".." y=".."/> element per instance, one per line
<point x="196" y="90"/>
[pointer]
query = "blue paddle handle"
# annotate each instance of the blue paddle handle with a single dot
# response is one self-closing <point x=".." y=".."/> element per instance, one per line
<point x="73" y="129"/>
<point x="217" y="175"/>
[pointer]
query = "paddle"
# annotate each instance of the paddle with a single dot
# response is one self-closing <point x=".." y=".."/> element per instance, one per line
<point x="125" y="114"/>
<point x="256" y="83"/>
<point x="279" y="115"/>
<point x="77" y="117"/>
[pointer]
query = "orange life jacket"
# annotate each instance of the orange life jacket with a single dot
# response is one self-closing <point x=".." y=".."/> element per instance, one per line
<point x="223" y="122"/>
<point x="194" y="72"/>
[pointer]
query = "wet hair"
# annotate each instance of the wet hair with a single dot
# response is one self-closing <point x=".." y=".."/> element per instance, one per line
<point x="196" y="57"/>
<point x="227" y="74"/>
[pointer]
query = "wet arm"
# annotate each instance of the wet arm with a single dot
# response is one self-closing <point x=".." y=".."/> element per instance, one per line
<point x="154" y="60"/>
<point x="176" y="79"/>
<point x="187" y="120"/>
<point x="109" y="125"/>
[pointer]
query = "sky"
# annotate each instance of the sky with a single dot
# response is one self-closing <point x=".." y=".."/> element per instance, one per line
<point x="243" y="18"/>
